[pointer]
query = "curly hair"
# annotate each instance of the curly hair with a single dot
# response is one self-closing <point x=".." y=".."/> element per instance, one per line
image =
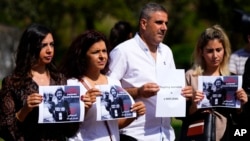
<point x="74" y="64"/>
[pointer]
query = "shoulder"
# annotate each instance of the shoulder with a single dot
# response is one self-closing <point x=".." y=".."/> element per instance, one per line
<point x="126" y="45"/>
<point x="190" y="74"/>
<point x="239" y="52"/>
<point x="113" y="81"/>
<point x="8" y="80"/>
<point x="165" y="47"/>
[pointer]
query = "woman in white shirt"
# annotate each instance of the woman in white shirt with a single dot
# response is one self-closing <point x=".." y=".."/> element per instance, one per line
<point x="86" y="64"/>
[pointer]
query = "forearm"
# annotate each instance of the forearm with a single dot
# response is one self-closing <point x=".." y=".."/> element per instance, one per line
<point x="22" y="113"/>
<point x="134" y="92"/>
<point x="125" y="122"/>
<point x="192" y="108"/>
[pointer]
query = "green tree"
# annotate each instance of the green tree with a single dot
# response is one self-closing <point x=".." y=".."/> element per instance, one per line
<point x="69" y="18"/>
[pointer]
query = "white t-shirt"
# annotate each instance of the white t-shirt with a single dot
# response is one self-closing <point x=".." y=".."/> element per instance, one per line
<point x="132" y="64"/>
<point x="237" y="61"/>
<point x="90" y="128"/>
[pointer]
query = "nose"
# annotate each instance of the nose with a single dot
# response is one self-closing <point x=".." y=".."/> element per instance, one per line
<point x="102" y="54"/>
<point x="49" y="49"/>
<point x="164" y="26"/>
<point x="215" y="54"/>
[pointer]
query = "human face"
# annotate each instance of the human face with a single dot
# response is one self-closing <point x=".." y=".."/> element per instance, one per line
<point x="218" y="83"/>
<point x="47" y="50"/>
<point x="59" y="95"/>
<point x="97" y="56"/>
<point x="213" y="53"/>
<point x="113" y="92"/>
<point x="155" y="28"/>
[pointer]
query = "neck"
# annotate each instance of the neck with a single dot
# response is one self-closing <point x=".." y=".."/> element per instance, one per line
<point x="93" y="76"/>
<point x="212" y="71"/>
<point x="40" y="75"/>
<point x="39" y="69"/>
<point x="151" y="47"/>
<point x="96" y="79"/>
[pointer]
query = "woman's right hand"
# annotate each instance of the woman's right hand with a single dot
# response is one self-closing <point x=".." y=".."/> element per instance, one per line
<point x="198" y="96"/>
<point x="33" y="101"/>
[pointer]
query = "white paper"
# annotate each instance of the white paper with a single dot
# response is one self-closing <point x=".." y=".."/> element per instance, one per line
<point x="170" y="102"/>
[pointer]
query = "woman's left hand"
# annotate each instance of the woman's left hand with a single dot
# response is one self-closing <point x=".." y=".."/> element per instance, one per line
<point x="242" y="96"/>
<point x="139" y="108"/>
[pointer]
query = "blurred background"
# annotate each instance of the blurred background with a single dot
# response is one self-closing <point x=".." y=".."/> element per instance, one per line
<point x="68" y="18"/>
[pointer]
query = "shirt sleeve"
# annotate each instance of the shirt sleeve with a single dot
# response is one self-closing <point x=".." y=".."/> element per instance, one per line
<point x="9" y="124"/>
<point x="232" y="64"/>
<point x="117" y="65"/>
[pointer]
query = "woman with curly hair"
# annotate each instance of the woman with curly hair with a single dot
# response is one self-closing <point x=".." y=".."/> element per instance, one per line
<point x="86" y="64"/>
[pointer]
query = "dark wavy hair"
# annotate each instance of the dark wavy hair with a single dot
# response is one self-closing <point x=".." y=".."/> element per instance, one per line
<point x="74" y="63"/>
<point x="28" y="51"/>
<point x="60" y="89"/>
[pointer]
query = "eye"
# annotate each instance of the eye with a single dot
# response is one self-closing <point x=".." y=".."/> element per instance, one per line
<point x="159" y="22"/>
<point x="43" y="45"/>
<point x="95" y="52"/>
<point x="219" y="49"/>
<point x="52" y="44"/>
<point x="105" y="51"/>
<point x="210" y="50"/>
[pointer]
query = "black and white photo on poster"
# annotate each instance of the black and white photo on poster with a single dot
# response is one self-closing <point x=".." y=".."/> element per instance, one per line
<point x="114" y="103"/>
<point x="219" y="91"/>
<point x="61" y="103"/>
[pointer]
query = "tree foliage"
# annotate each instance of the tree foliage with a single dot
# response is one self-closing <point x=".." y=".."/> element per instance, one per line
<point x="187" y="19"/>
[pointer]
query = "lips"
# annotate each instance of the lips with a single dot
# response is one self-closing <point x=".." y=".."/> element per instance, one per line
<point x="48" y="57"/>
<point x="102" y="63"/>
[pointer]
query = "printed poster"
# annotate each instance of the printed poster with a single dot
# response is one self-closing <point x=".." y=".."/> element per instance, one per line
<point x="61" y="104"/>
<point x="219" y="91"/>
<point x="114" y="103"/>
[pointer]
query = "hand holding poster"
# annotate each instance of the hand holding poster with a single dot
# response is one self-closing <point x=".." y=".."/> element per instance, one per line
<point x="219" y="91"/>
<point x="61" y="104"/>
<point x="114" y="103"/>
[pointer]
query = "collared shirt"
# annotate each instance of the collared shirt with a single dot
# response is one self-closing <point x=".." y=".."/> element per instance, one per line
<point x="238" y="60"/>
<point x="133" y="64"/>
<point x="90" y="128"/>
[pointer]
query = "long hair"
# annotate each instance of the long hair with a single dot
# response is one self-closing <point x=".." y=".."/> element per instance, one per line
<point x="214" y="32"/>
<point x="75" y="62"/>
<point x="28" y="51"/>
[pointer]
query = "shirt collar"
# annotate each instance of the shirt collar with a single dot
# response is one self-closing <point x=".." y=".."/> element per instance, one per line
<point x="143" y="45"/>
